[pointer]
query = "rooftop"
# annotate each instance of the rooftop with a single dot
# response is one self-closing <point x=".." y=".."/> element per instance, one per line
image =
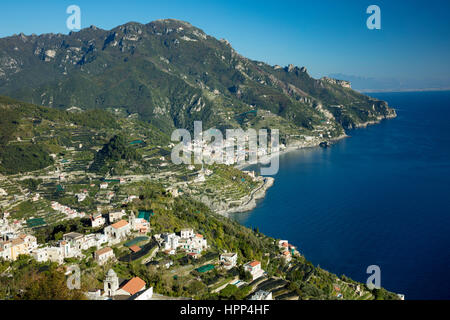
<point x="73" y="235"/>
<point x="228" y="254"/>
<point x="135" y="248"/>
<point x="16" y="242"/>
<point x="254" y="263"/>
<point x="103" y="251"/>
<point x="120" y="224"/>
<point x="134" y="285"/>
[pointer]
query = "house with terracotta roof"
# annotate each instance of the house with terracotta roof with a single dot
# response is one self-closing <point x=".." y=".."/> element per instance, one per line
<point x="195" y="244"/>
<point x="132" y="287"/>
<point x="118" y="231"/>
<point x="104" y="255"/>
<point x="254" y="267"/>
<point x="285" y="246"/>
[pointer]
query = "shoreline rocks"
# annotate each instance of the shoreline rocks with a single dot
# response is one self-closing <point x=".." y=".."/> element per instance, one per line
<point x="248" y="202"/>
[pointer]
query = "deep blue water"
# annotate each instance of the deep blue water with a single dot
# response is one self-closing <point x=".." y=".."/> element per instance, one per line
<point x="380" y="197"/>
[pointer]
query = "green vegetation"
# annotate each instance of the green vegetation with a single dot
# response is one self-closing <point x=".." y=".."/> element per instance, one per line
<point x="173" y="81"/>
<point x="26" y="158"/>
<point x="35" y="281"/>
<point x="115" y="150"/>
<point x="127" y="106"/>
<point x="31" y="184"/>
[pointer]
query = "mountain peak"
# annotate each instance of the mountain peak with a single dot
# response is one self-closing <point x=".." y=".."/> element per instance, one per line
<point x="170" y="73"/>
<point x="292" y="68"/>
<point x="174" y="22"/>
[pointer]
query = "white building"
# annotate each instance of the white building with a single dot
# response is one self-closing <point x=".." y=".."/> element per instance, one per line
<point x="254" y="267"/>
<point x="5" y="252"/>
<point x="186" y="233"/>
<point x="199" y="244"/>
<point x="283" y="244"/>
<point x="131" y="198"/>
<point x="54" y="254"/>
<point x="228" y="260"/>
<point x="97" y="220"/>
<point x="145" y="295"/>
<point x="76" y="241"/>
<point x="30" y="241"/>
<point x="101" y="239"/>
<point x="81" y="197"/>
<point x="104" y="255"/>
<point x="89" y="241"/>
<point x="12" y="248"/>
<point x="193" y="244"/>
<point x="67" y="250"/>
<point x="111" y="283"/>
<point x="40" y="255"/>
<point x="69" y="212"/>
<point x="139" y="224"/>
<point x="115" y="216"/>
<point x="134" y="287"/>
<point x="118" y="231"/>
<point x="170" y="241"/>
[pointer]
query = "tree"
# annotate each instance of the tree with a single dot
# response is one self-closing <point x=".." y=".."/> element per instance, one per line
<point x="48" y="285"/>
<point x="195" y="287"/>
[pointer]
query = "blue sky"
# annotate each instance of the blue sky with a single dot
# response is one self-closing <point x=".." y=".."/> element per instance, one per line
<point x="325" y="36"/>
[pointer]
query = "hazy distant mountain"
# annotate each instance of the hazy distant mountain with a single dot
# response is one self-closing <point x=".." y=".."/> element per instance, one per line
<point x="172" y="73"/>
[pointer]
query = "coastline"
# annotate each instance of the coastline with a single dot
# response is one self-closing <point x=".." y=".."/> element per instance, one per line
<point x="249" y="202"/>
<point x="332" y="141"/>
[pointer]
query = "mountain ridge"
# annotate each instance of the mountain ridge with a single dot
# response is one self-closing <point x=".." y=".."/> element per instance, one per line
<point x="172" y="73"/>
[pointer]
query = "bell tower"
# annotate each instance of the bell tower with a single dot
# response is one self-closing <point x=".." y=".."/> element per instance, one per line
<point x="111" y="283"/>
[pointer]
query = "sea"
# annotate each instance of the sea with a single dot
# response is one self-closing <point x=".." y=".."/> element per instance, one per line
<point x="380" y="197"/>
